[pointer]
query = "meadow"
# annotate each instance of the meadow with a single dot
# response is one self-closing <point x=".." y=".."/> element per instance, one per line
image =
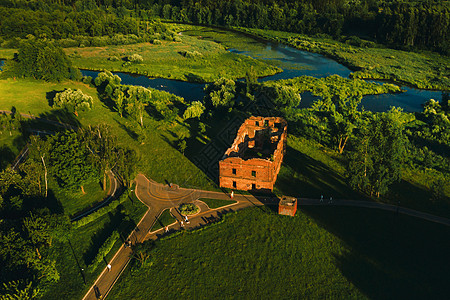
<point x="189" y="59"/>
<point x="323" y="252"/>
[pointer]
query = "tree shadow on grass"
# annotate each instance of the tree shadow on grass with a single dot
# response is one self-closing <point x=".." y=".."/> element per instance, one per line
<point x="128" y="130"/>
<point x="303" y="176"/>
<point x="50" y="96"/>
<point x="102" y="235"/>
<point x="56" y="116"/>
<point x="418" y="198"/>
<point x="391" y="256"/>
<point x="6" y="156"/>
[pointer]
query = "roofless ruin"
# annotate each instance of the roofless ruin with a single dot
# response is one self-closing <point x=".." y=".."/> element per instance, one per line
<point x="254" y="159"/>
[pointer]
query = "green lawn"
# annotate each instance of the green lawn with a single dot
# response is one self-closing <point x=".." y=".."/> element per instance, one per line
<point x="158" y="158"/>
<point x="216" y="203"/>
<point x="74" y="201"/>
<point x="323" y="253"/>
<point x="164" y="219"/>
<point x="424" y="70"/>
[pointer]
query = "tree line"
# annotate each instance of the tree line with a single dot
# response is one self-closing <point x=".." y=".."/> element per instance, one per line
<point x="30" y="221"/>
<point x="405" y="24"/>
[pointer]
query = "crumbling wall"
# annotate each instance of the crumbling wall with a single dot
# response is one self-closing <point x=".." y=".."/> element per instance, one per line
<point x="236" y="172"/>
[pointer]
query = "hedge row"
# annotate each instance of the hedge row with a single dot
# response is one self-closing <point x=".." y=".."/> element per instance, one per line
<point x="101" y="211"/>
<point x="104" y="250"/>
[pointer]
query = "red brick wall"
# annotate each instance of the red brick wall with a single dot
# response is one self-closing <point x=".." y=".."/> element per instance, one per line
<point x="265" y="170"/>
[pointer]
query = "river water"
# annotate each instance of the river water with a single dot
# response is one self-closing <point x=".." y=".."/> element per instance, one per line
<point x="294" y="63"/>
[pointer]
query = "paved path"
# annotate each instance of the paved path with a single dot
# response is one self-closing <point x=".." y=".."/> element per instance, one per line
<point x="159" y="197"/>
<point x="114" y="185"/>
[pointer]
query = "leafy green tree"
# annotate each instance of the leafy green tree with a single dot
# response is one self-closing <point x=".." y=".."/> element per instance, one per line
<point x="221" y="93"/>
<point x="73" y="100"/>
<point x="22" y="290"/>
<point x="118" y="98"/>
<point x="126" y="165"/>
<point x="194" y="110"/>
<point x="182" y="146"/>
<point x="102" y="145"/>
<point x="42" y="59"/>
<point x="39" y="151"/>
<point x="71" y="160"/>
<point x="46" y="270"/>
<point x="379" y="153"/>
<point x="38" y="232"/>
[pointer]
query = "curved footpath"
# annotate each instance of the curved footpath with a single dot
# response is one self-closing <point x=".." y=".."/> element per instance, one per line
<point x="159" y="197"/>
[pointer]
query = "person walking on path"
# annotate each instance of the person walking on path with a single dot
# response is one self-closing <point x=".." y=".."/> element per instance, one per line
<point x="232" y="194"/>
<point x="321" y="198"/>
<point x="109" y="267"/>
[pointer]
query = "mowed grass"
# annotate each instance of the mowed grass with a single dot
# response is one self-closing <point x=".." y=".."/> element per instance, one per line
<point x="425" y="70"/>
<point x="208" y="62"/>
<point x="325" y="253"/>
<point x="32" y="96"/>
<point x="74" y="201"/>
<point x="164" y="219"/>
<point x="216" y="203"/>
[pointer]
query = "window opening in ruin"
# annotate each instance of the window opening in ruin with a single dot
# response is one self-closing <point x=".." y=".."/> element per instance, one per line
<point x="257" y="123"/>
<point x="234" y="171"/>
<point x="254" y="173"/>
<point x="234" y="184"/>
<point x="266" y="123"/>
<point x="253" y="186"/>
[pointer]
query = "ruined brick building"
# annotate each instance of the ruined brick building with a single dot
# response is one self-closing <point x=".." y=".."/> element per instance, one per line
<point x="254" y="159"/>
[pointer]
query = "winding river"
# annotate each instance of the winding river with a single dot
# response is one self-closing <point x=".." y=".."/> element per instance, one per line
<point x="294" y="63"/>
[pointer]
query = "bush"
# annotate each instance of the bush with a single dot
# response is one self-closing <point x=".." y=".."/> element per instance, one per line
<point x="188" y="209"/>
<point x="104" y="250"/>
<point x="102" y="211"/>
<point x="113" y="58"/>
<point x="156" y="42"/>
<point x="135" y="58"/>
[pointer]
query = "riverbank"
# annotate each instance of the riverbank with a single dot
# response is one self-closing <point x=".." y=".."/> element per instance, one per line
<point x="425" y="70"/>
<point x="188" y="59"/>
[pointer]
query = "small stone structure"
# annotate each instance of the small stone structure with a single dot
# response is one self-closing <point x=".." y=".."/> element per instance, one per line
<point x="254" y="159"/>
<point x="287" y="206"/>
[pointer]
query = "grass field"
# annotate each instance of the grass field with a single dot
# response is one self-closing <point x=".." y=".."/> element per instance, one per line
<point x="321" y="253"/>
<point x="424" y="70"/>
<point x="158" y="159"/>
<point x="205" y="61"/>
<point x="216" y="203"/>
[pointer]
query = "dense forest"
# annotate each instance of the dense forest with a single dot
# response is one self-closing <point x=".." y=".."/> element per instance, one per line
<point x="404" y="24"/>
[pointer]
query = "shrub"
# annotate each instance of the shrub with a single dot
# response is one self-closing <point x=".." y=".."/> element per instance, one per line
<point x="188" y="209"/>
<point x="113" y="58"/>
<point x="100" y="212"/>
<point x="135" y="58"/>
<point x="104" y="250"/>
<point x="156" y="42"/>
